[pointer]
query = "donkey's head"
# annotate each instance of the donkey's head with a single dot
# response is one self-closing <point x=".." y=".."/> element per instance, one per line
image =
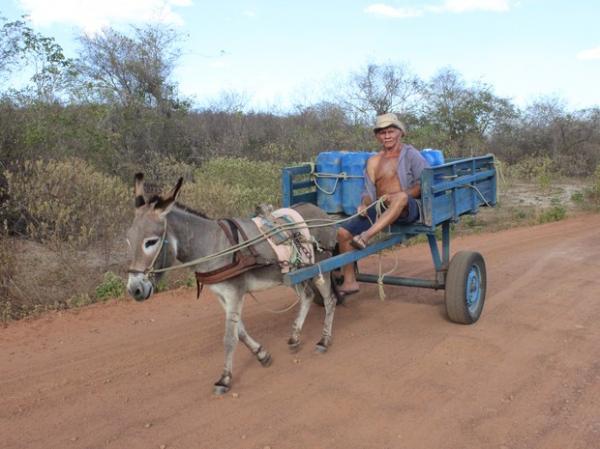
<point x="147" y="238"/>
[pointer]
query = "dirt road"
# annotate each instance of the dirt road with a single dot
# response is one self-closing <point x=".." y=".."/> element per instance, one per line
<point x="399" y="375"/>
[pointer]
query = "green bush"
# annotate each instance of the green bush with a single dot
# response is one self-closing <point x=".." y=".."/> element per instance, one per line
<point x="536" y="168"/>
<point x="554" y="213"/>
<point x="233" y="186"/>
<point x="578" y="197"/>
<point x="112" y="286"/>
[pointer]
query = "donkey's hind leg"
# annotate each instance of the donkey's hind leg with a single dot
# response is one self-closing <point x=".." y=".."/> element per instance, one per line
<point x="306" y="294"/>
<point x="329" y="300"/>
<point x="256" y="348"/>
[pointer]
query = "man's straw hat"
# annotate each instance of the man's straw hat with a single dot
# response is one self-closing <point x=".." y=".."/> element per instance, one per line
<point x="387" y="120"/>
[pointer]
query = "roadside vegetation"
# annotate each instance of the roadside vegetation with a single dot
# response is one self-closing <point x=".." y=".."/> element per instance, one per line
<point x="73" y="136"/>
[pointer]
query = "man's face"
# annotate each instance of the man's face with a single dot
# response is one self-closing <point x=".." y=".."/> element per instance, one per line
<point x="389" y="137"/>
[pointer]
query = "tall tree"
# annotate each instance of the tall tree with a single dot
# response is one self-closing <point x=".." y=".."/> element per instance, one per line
<point x="22" y="48"/>
<point x="378" y="89"/>
<point x="462" y="112"/>
<point x="128" y="70"/>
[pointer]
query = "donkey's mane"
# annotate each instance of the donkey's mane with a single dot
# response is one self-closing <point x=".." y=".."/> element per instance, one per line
<point x="158" y="200"/>
<point x="191" y="211"/>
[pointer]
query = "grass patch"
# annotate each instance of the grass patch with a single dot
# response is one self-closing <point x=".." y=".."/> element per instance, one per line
<point x="111" y="287"/>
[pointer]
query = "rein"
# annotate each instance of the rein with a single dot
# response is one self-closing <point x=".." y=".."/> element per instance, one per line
<point x="319" y="223"/>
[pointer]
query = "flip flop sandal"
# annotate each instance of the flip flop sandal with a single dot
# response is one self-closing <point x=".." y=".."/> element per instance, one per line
<point x="346" y="293"/>
<point x="358" y="242"/>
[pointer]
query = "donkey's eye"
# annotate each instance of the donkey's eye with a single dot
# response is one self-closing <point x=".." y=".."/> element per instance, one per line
<point x="150" y="242"/>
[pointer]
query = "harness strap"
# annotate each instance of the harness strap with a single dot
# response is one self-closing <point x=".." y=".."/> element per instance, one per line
<point x="241" y="262"/>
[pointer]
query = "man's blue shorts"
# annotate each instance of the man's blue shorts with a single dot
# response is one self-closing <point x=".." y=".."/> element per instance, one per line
<point x="360" y="224"/>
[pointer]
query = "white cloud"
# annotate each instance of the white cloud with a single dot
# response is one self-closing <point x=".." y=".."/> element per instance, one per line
<point x="250" y="13"/>
<point x="93" y="15"/>
<point x="590" y="53"/>
<point x="379" y="9"/>
<point x="459" y="6"/>
<point x="447" y="6"/>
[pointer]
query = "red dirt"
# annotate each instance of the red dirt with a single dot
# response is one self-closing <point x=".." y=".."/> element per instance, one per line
<point x="399" y="375"/>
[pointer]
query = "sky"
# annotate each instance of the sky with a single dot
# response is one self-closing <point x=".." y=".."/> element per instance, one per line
<point x="280" y="53"/>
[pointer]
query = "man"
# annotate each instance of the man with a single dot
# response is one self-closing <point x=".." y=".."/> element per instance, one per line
<point x="392" y="174"/>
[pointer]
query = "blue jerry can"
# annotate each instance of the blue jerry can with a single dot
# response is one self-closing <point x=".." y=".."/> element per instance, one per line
<point x="353" y="165"/>
<point x="328" y="181"/>
<point x="434" y="157"/>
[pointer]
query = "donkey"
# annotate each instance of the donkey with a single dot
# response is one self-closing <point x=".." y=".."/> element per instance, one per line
<point x="164" y="231"/>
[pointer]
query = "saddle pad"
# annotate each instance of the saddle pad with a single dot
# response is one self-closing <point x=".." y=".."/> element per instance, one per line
<point x="285" y="250"/>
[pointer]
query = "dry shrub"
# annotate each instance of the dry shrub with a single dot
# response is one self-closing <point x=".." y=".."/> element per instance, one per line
<point x="68" y="201"/>
<point x="593" y="193"/>
<point x="7" y="269"/>
<point x="163" y="171"/>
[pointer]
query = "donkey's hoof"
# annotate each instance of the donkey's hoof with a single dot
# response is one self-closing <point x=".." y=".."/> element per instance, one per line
<point x="266" y="360"/>
<point x="294" y="344"/>
<point x="223" y="385"/>
<point x="323" y="345"/>
<point x="220" y="390"/>
<point x="321" y="349"/>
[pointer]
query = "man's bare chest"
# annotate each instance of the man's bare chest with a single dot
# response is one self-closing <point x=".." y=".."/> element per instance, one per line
<point x="386" y="169"/>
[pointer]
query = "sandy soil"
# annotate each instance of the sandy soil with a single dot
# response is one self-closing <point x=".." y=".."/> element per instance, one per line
<point x="399" y="375"/>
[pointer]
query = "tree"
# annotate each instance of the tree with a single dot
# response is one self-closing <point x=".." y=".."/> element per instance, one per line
<point x="464" y="113"/>
<point x="131" y="70"/>
<point x="378" y="89"/>
<point x="23" y="48"/>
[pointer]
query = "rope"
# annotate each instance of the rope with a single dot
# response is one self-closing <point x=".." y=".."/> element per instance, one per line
<point x="160" y="247"/>
<point x="319" y="223"/>
<point x="343" y="175"/>
<point x="479" y="192"/>
<point x="325" y="191"/>
<point x="382" y="275"/>
<point x="287" y="309"/>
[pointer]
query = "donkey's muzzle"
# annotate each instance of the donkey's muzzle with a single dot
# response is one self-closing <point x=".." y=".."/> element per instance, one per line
<point x="139" y="287"/>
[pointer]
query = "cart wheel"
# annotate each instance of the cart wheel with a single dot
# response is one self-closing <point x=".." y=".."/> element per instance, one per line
<point x="465" y="287"/>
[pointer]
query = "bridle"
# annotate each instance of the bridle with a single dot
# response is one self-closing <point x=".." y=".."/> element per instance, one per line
<point x="161" y="249"/>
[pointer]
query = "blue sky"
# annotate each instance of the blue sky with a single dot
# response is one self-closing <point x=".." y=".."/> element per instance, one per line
<point x="280" y="52"/>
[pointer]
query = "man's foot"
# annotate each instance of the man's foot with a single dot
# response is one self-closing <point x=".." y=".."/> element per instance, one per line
<point x="346" y="293"/>
<point x="359" y="242"/>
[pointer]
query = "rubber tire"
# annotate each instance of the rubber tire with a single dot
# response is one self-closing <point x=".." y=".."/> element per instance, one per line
<point x="461" y="266"/>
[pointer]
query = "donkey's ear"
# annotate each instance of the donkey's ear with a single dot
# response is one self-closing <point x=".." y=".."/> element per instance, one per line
<point x="165" y="204"/>
<point x="138" y="189"/>
<point x="174" y="193"/>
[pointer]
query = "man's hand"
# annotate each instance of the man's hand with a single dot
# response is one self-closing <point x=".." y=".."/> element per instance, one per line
<point x="362" y="209"/>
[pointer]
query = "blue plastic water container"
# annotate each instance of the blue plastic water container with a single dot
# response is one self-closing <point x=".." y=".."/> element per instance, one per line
<point x="353" y="165"/>
<point x="329" y="184"/>
<point x="434" y="157"/>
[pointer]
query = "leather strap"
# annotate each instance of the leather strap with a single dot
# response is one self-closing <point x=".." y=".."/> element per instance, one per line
<point x="241" y="262"/>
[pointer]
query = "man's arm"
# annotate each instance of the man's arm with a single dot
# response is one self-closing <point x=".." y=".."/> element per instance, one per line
<point x="415" y="191"/>
<point x="418" y="164"/>
<point x="369" y="193"/>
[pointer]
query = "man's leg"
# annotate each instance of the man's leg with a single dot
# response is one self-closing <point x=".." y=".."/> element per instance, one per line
<point x="344" y="239"/>
<point x="396" y="203"/>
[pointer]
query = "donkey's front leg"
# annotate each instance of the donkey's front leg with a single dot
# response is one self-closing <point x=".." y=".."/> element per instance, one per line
<point x="233" y="315"/>
<point x="262" y="355"/>
<point x="329" y="300"/>
<point x="305" y="293"/>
